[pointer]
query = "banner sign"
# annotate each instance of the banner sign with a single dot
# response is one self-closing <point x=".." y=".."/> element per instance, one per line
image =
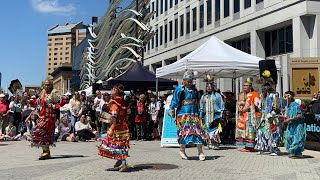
<point x="312" y="127"/>
<point x="169" y="131"/>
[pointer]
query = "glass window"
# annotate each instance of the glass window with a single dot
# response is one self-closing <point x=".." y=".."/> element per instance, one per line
<point x="247" y="4"/>
<point x="289" y="39"/>
<point x="49" y="39"/>
<point x="201" y="16"/>
<point x="259" y="1"/>
<point x="152" y="43"/>
<point x="171" y="3"/>
<point x="157" y="8"/>
<point x="152" y="9"/>
<point x="188" y="22"/>
<point x="279" y="41"/>
<point x="194" y="22"/>
<point x="242" y="45"/>
<point x="149" y="46"/>
<point x="217" y="10"/>
<point x="176" y="28"/>
<point x="274" y="42"/>
<point x="161" y="6"/>
<point x="181" y="25"/>
<point x="49" y="59"/>
<point x="49" y="44"/>
<point x="49" y="49"/>
<point x="67" y="58"/>
<point x="209" y="12"/>
<point x="67" y="53"/>
<point x="157" y="38"/>
<point x="170" y="31"/>
<point x="161" y="35"/>
<point x="175" y="2"/>
<point x="55" y="49"/>
<point x="55" y="63"/>
<point x="165" y="5"/>
<point x="165" y="33"/>
<point x="236" y="6"/>
<point x="55" y="54"/>
<point x="226" y="8"/>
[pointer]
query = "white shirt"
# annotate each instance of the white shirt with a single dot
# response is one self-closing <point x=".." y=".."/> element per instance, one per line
<point x="102" y="102"/>
<point x="153" y="108"/>
<point x="15" y="107"/>
<point x="80" y="126"/>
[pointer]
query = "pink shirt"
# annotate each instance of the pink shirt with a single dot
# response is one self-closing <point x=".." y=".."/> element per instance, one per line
<point x="4" y="107"/>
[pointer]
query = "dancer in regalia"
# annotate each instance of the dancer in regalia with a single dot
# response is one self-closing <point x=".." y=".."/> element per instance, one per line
<point x="211" y="110"/>
<point x="116" y="144"/>
<point x="190" y="127"/>
<point x="295" y="133"/>
<point x="247" y="117"/>
<point x="268" y="132"/>
<point x="43" y="136"/>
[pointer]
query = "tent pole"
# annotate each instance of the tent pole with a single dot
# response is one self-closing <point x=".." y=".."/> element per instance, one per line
<point x="157" y="87"/>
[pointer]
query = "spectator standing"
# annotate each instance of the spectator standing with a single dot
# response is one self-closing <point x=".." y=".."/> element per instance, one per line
<point x="154" y="109"/>
<point x="141" y="117"/>
<point x="98" y="103"/>
<point x="15" y="110"/>
<point x="75" y="108"/>
<point x="131" y="117"/>
<point x="4" y="111"/>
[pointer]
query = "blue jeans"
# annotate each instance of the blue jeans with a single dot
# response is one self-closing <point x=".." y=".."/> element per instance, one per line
<point x="74" y="119"/>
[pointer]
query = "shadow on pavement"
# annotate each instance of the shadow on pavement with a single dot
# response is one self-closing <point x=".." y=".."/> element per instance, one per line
<point x="67" y="156"/>
<point x="207" y="157"/>
<point x="3" y="144"/>
<point x="151" y="166"/>
<point x="226" y="148"/>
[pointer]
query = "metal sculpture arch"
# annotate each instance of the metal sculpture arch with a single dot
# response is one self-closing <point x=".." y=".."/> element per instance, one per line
<point x="117" y="41"/>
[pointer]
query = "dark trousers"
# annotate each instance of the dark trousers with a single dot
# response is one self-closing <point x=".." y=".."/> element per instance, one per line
<point x="85" y="134"/>
<point x="140" y="127"/>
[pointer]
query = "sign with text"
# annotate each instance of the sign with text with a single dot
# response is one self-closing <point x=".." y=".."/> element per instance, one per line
<point x="169" y="131"/>
<point x="305" y="81"/>
<point x="312" y="127"/>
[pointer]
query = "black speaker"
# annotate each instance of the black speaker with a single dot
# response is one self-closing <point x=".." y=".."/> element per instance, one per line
<point x="271" y="66"/>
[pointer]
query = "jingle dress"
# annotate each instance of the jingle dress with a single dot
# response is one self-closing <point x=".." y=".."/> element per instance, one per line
<point x="190" y="126"/>
<point x="115" y="144"/>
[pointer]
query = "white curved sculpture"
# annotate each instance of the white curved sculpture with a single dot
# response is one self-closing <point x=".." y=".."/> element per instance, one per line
<point x="116" y="42"/>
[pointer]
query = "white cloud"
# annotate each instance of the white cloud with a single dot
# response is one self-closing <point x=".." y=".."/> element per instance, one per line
<point x="52" y="6"/>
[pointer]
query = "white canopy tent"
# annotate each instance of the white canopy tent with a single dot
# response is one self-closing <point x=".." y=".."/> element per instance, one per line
<point x="216" y="58"/>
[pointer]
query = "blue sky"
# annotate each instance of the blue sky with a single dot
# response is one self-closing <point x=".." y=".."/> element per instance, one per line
<point x="24" y="25"/>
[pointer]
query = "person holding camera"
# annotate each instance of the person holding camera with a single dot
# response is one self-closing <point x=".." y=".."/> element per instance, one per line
<point x="211" y="110"/>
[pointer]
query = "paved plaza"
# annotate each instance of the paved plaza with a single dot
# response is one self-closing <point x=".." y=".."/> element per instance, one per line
<point x="149" y="161"/>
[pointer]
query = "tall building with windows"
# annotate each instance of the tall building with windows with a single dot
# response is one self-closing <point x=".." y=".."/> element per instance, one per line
<point x="284" y="30"/>
<point x="61" y="41"/>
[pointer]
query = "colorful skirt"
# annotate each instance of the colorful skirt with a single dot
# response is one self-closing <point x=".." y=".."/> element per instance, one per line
<point x="116" y="144"/>
<point x="295" y="138"/>
<point x="43" y="136"/>
<point x="190" y="129"/>
<point x="246" y="137"/>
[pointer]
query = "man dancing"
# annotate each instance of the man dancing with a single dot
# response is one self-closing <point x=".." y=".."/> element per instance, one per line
<point x="44" y="134"/>
<point x="190" y="127"/>
<point x="211" y="110"/>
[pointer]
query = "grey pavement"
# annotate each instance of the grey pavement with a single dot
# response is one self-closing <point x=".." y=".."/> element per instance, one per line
<point x="148" y="161"/>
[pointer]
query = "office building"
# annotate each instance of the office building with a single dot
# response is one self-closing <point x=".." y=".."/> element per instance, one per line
<point x="284" y="30"/>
